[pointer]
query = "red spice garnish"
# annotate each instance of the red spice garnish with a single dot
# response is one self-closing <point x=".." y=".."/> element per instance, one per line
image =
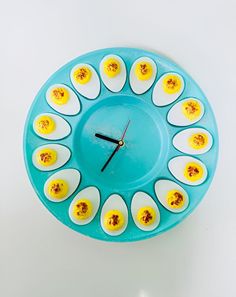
<point x="82" y="73"/>
<point x="143" y="68"/>
<point x="179" y="198"/>
<point x="82" y="208"/>
<point x="192" y="171"/>
<point x="112" y="67"/>
<point x="56" y="188"/>
<point x="171" y="83"/>
<point x="58" y="93"/>
<point x="44" y="124"/>
<point x="114" y="220"/>
<point x="191" y="107"/>
<point x="146" y="216"/>
<point x="45" y="157"/>
<point x="199" y="140"/>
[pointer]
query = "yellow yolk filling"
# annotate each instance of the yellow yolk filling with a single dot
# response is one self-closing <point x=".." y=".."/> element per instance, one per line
<point x="171" y="84"/>
<point x="82" y="75"/>
<point x="58" y="189"/>
<point x="82" y="209"/>
<point x="175" y="199"/>
<point x="146" y="215"/>
<point x="45" y="125"/>
<point x="198" y="141"/>
<point x="111" y="67"/>
<point x="59" y="96"/>
<point x="143" y="70"/>
<point x="193" y="171"/>
<point x="191" y="109"/>
<point x="114" y="220"/>
<point x="46" y="157"/>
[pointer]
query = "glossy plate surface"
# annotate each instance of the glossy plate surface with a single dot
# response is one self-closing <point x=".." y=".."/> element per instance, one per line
<point x="140" y="163"/>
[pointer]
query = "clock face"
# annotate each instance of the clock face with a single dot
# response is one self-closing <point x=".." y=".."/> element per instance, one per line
<point x="142" y="153"/>
<point x="120" y="144"/>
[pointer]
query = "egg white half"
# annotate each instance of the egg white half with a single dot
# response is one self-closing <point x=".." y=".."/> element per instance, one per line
<point x="162" y="187"/>
<point x="114" y="202"/>
<point x="63" y="155"/>
<point x="62" y="128"/>
<point x="176" y="117"/>
<point x="72" y="107"/>
<point x="177" y="166"/>
<point x="90" y="193"/>
<point x="139" y="200"/>
<point x="160" y="97"/>
<point x="114" y="84"/>
<point x="141" y="86"/>
<point x="71" y="176"/>
<point x="91" y="89"/>
<point x="180" y="141"/>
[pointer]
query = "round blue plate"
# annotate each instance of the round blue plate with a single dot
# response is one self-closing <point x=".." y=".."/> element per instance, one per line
<point x="140" y="163"/>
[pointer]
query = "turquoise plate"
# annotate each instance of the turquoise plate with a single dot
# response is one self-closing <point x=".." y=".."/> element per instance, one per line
<point x="143" y="159"/>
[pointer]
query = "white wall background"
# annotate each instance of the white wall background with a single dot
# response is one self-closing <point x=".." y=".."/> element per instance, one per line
<point x="39" y="257"/>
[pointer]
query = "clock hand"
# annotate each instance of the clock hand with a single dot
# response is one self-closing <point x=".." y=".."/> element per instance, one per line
<point x="120" y="144"/>
<point x="111" y="156"/>
<point x="126" y="128"/>
<point x="106" y="138"/>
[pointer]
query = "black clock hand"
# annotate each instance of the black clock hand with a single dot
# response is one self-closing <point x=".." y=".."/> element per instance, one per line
<point x="107" y="138"/>
<point x="120" y="144"/>
<point x="126" y="128"/>
<point x="111" y="156"/>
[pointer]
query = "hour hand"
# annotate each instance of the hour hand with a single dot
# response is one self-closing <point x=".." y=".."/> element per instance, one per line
<point x="106" y="138"/>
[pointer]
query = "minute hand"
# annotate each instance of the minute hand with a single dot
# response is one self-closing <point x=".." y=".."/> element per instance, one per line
<point x="117" y="147"/>
<point x="111" y="156"/>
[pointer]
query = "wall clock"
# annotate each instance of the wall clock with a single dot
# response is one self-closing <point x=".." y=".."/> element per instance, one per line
<point x="120" y="144"/>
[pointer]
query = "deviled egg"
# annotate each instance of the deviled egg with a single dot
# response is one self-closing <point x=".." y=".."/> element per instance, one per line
<point x="51" y="126"/>
<point x="145" y="212"/>
<point x="113" y="72"/>
<point x="194" y="141"/>
<point x="63" y="99"/>
<point x="171" y="195"/>
<point x="142" y="75"/>
<point x="167" y="89"/>
<point x="85" y="80"/>
<point x="50" y="156"/>
<point x="188" y="170"/>
<point x="84" y="206"/>
<point x="114" y="215"/>
<point x="61" y="185"/>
